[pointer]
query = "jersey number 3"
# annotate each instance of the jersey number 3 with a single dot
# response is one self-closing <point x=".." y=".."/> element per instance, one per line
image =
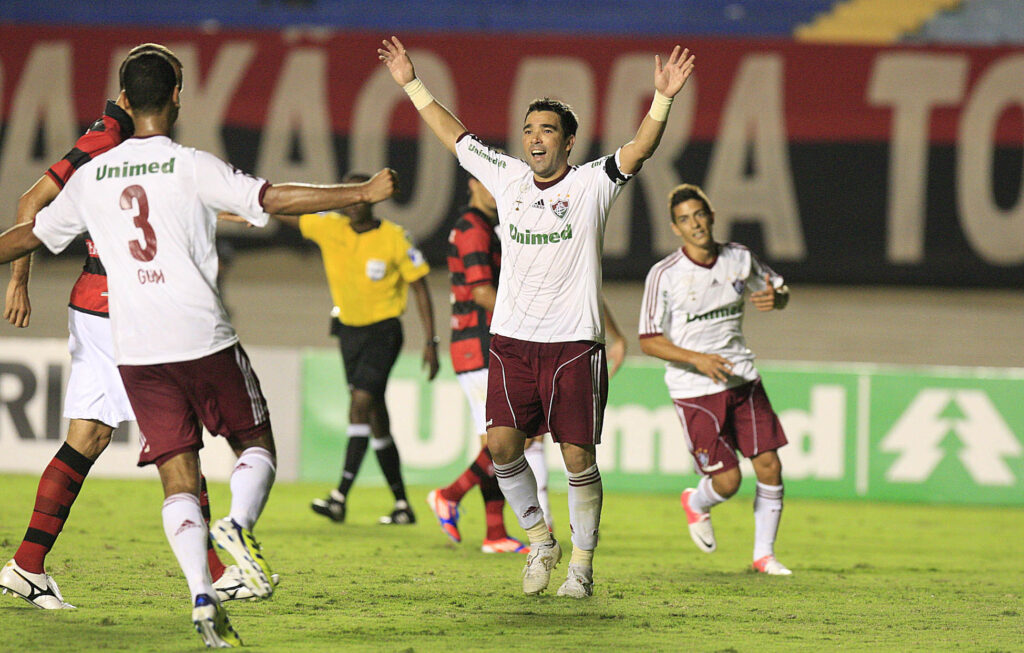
<point x="137" y="194"/>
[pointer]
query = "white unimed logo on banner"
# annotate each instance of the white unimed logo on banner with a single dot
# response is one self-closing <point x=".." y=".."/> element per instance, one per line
<point x="968" y="415"/>
<point x="636" y="439"/>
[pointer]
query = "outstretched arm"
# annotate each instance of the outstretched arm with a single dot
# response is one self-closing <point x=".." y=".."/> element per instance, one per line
<point x="441" y="121"/>
<point x="296" y="199"/>
<point x="17" y="307"/>
<point x="669" y="79"/>
<point x="18" y="241"/>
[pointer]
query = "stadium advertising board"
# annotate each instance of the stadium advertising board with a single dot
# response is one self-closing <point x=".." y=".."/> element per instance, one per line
<point x="836" y="163"/>
<point x="33" y="374"/>
<point x="905" y="434"/>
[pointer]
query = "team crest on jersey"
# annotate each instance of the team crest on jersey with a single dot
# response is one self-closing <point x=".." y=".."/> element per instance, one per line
<point x="560" y="207"/>
<point x="738" y="285"/>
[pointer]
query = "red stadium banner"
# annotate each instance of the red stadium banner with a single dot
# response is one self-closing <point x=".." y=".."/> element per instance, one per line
<point x="835" y="163"/>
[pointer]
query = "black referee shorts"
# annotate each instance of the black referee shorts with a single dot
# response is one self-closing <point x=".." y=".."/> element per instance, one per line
<point x="368" y="353"/>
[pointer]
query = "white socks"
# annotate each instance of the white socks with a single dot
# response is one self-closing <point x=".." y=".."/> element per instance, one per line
<point x="250" y="485"/>
<point x="767" y="513"/>
<point x="585" y="496"/>
<point x="519" y="486"/>
<point x="535" y="457"/>
<point x="186" y="532"/>
<point x="705" y="498"/>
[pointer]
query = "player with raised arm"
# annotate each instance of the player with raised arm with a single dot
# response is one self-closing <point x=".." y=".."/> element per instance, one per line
<point x="95" y="401"/>
<point x="150" y="206"/>
<point x="547" y="369"/>
<point x="692" y="318"/>
<point x="474" y="261"/>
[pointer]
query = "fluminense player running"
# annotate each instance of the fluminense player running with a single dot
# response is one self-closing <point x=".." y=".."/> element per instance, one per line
<point x="150" y="206"/>
<point x="547" y="369"/>
<point x="692" y="317"/>
<point x="95" y="401"/>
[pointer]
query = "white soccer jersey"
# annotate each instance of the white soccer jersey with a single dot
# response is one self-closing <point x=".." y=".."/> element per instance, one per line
<point x="150" y="206"/>
<point x="552" y="239"/>
<point x="700" y="308"/>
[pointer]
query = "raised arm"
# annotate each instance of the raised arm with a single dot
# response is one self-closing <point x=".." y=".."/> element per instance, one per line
<point x="440" y="120"/>
<point x="296" y="199"/>
<point x="17" y="307"/>
<point x="669" y="79"/>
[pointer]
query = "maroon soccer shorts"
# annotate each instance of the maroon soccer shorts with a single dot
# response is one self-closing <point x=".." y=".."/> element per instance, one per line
<point x="541" y="387"/>
<point x="717" y="425"/>
<point x="173" y="401"/>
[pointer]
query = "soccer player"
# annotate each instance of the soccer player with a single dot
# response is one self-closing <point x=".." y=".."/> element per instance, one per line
<point x="370" y="266"/>
<point x="95" y="401"/>
<point x="547" y="371"/>
<point x="150" y="207"/>
<point x="474" y="259"/>
<point x="692" y="318"/>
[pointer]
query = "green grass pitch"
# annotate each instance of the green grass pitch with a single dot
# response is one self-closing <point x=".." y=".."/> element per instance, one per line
<point x="867" y="577"/>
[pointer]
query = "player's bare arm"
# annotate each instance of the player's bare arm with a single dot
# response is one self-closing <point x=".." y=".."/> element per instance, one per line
<point x="669" y="79"/>
<point x="711" y="365"/>
<point x="445" y="126"/>
<point x="18" y="241"/>
<point x="296" y="199"/>
<point x="426" y="310"/>
<point x="17" y="307"/>
<point x="616" y="349"/>
<point x="770" y="298"/>
<point x="485" y="295"/>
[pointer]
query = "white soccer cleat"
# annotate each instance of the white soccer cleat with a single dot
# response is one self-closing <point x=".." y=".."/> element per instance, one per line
<point x="580" y="582"/>
<point x="211" y="622"/>
<point x="701" y="531"/>
<point x="38" y="589"/>
<point x="537" y="572"/>
<point x="769" y="565"/>
<point x="231" y="585"/>
<point x="246" y="551"/>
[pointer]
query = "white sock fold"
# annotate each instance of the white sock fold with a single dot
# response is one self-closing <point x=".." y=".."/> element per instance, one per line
<point x="767" y="513"/>
<point x="519" y="486"/>
<point x="186" y="533"/>
<point x="250" y="485"/>
<point x="539" y="466"/>
<point x="586" y="493"/>
<point x="705" y="498"/>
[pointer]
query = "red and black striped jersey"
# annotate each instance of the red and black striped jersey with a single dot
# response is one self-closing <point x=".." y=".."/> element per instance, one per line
<point x="89" y="293"/>
<point x="474" y="258"/>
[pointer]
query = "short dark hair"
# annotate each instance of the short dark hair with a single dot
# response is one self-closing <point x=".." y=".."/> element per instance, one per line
<point x="565" y="113"/>
<point x="149" y="81"/>
<point x="684" y="192"/>
<point x="151" y="47"/>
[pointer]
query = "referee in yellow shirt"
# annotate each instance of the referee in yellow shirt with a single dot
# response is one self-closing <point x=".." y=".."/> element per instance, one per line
<point x="370" y="265"/>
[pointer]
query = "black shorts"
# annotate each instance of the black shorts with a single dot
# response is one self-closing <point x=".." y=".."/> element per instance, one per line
<point x="368" y="353"/>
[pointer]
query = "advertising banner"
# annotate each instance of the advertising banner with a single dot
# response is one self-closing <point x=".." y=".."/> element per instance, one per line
<point x="33" y="375"/>
<point x="931" y="434"/>
<point x="848" y="164"/>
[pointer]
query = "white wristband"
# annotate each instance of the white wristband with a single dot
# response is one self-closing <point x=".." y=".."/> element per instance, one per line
<point x="660" y="107"/>
<point x="418" y="93"/>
